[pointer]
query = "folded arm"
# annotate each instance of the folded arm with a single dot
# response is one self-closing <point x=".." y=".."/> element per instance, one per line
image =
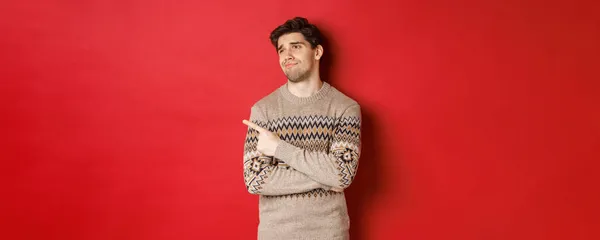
<point x="336" y="168"/>
<point x="263" y="175"/>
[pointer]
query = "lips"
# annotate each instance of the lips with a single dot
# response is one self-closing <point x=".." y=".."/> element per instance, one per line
<point x="289" y="65"/>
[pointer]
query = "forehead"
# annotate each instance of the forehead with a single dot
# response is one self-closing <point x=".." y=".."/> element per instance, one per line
<point x="290" y="38"/>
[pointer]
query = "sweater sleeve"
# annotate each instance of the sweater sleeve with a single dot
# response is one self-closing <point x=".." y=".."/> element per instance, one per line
<point x="338" y="166"/>
<point x="263" y="175"/>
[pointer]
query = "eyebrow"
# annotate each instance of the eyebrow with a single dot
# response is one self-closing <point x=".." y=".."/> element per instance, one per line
<point x="292" y="43"/>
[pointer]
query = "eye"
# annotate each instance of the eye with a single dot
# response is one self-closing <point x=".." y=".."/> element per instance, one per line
<point x="296" y="46"/>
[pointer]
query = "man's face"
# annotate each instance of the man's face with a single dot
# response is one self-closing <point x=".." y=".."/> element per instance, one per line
<point x="296" y="57"/>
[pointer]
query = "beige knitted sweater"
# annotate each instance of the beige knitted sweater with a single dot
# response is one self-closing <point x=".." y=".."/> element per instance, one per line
<point x="320" y="150"/>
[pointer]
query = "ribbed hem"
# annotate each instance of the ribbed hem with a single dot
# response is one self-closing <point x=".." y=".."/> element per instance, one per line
<point x="285" y="92"/>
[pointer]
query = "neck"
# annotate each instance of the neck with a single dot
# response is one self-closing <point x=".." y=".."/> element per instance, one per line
<point x="307" y="87"/>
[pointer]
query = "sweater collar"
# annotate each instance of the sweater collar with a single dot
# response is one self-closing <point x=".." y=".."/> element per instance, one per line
<point x="285" y="92"/>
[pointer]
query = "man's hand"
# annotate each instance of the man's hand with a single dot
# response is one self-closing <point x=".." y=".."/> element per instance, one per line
<point x="336" y="189"/>
<point x="267" y="141"/>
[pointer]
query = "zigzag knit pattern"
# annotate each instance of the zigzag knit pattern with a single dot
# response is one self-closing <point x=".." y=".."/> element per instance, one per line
<point x="256" y="165"/>
<point x="339" y="137"/>
<point x="307" y="195"/>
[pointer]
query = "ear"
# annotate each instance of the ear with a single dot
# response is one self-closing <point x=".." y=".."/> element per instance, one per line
<point x="318" y="52"/>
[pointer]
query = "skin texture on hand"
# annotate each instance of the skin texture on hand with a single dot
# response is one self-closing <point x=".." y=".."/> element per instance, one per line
<point x="267" y="140"/>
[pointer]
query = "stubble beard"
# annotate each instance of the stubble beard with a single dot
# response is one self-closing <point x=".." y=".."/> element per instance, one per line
<point x="298" y="75"/>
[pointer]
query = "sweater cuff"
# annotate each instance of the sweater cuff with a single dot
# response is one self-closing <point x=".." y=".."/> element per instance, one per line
<point x="284" y="151"/>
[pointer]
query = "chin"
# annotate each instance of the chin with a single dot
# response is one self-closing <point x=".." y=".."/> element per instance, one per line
<point x="296" y="78"/>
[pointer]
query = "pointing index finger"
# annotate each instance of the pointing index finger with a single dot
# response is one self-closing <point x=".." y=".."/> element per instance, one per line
<point x="254" y="126"/>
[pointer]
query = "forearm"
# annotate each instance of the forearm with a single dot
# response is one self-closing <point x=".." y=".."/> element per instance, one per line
<point x="264" y="178"/>
<point x="336" y="169"/>
<point x="336" y="166"/>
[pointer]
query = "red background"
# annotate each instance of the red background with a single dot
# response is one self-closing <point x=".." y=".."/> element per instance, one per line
<point x="122" y="119"/>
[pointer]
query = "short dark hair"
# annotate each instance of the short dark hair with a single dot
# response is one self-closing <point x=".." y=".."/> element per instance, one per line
<point x="298" y="24"/>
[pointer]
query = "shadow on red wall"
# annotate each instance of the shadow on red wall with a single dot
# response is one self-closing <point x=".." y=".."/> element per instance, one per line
<point x="363" y="191"/>
<point x="361" y="194"/>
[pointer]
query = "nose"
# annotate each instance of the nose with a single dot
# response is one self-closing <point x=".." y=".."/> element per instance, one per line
<point x="288" y="55"/>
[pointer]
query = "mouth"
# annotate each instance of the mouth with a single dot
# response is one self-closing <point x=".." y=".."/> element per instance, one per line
<point x="289" y="65"/>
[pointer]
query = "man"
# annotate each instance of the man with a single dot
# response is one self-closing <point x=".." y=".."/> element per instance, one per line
<point x="303" y="144"/>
